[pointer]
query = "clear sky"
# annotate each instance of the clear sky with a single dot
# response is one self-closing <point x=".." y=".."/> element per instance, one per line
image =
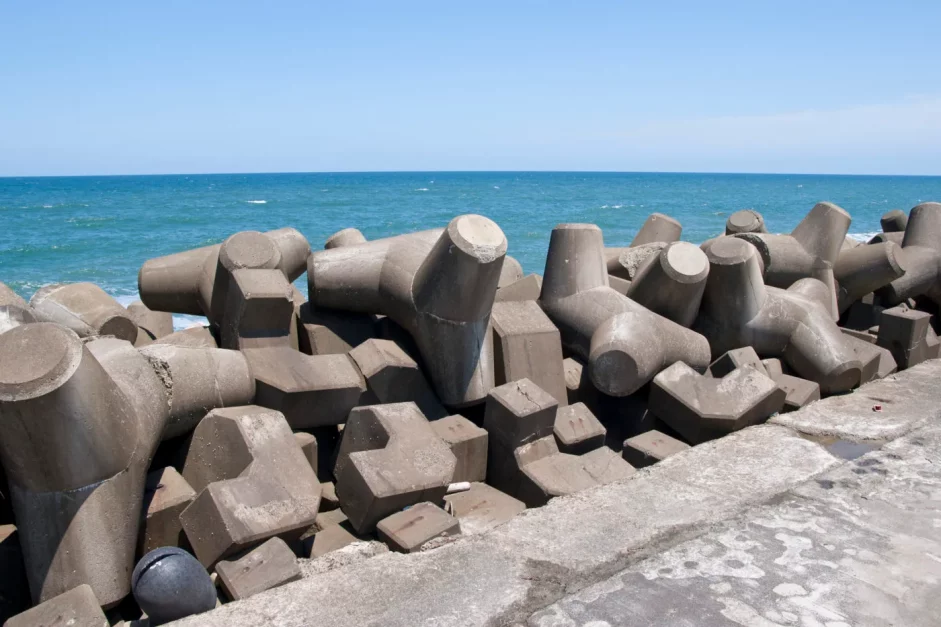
<point x="827" y="86"/>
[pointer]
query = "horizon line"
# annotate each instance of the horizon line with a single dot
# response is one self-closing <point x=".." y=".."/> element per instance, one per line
<point x="333" y="172"/>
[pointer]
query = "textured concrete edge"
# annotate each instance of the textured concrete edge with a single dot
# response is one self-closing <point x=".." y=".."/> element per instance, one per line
<point x="877" y="412"/>
<point x="575" y="541"/>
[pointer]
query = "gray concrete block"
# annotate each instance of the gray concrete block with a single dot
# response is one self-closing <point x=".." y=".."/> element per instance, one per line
<point x="390" y="457"/>
<point x="310" y="390"/>
<point x="482" y="508"/>
<point x="407" y="531"/>
<point x="672" y="282"/>
<point x="511" y="272"/>
<point x="268" y="566"/>
<point x="79" y="422"/>
<point x="907" y="333"/>
<point x="308" y="444"/>
<point x="734" y="359"/>
<point x="810" y="251"/>
<point x="576" y="430"/>
<point x="84" y="308"/>
<point x="624" y="343"/>
<point x="745" y="221"/>
<point x="619" y="285"/>
<point x="200" y="378"/>
<point x="468" y="443"/>
<point x="572" y="370"/>
<point x="519" y="412"/>
<point x="166" y="495"/>
<point x="259" y="310"/>
<point x="394" y="377"/>
<point x="794" y="324"/>
<point x="625" y="263"/>
<point x="921" y="256"/>
<point x="156" y="324"/>
<point x="527" y="346"/>
<point x="333" y="532"/>
<point x="75" y="607"/>
<point x="701" y="408"/>
<point x="526" y="288"/>
<point x="773" y="367"/>
<point x="193" y="337"/>
<point x="866" y="269"/>
<point x="439" y="285"/>
<point x="544" y="472"/>
<point x="197" y="281"/>
<point x="651" y="447"/>
<point x="327" y="332"/>
<point x="346" y="237"/>
<point x="868" y="354"/>
<point x="252" y="480"/>
<point x="800" y="392"/>
<point x="328" y="497"/>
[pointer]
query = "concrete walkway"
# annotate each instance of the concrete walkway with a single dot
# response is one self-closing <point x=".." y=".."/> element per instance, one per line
<point x="769" y="526"/>
<point x="859" y="545"/>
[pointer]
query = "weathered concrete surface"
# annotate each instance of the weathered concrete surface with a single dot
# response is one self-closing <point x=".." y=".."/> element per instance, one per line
<point x="907" y="400"/>
<point x="857" y="546"/>
<point x="540" y="555"/>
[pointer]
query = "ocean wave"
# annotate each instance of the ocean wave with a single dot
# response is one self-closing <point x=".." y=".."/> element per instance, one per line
<point x="863" y="237"/>
<point x="422" y="189"/>
<point x="180" y="321"/>
<point x="257" y="202"/>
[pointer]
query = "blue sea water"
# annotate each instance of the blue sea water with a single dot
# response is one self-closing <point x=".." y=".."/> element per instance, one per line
<point x="101" y="229"/>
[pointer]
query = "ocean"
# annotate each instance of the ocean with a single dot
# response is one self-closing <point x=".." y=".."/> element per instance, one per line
<point x="102" y="228"/>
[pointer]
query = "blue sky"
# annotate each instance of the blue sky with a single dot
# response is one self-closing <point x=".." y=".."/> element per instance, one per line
<point x="171" y="87"/>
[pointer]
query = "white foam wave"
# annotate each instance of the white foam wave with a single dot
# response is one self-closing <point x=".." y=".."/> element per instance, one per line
<point x="422" y="189"/>
<point x="257" y="202"/>
<point x="863" y="237"/>
<point x="180" y="321"/>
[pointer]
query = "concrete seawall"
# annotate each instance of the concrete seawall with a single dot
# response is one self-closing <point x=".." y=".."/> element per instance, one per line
<point x="546" y="555"/>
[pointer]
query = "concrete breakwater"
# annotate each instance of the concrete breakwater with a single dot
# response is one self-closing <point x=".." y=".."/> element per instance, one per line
<point x="426" y="390"/>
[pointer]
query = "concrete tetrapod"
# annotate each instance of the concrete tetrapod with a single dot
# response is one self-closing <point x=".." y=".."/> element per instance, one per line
<point x="85" y="308"/>
<point x="346" y="237"/>
<point x="198" y="281"/>
<point x="672" y="283"/>
<point x="439" y="285"/>
<point x="201" y="379"/>
<point x="252" y="483"/>
<point x="78" y="426"/>
<point x="657" y="229"/>
<point x="390" y="458"/>
<point x="79" y="423"/>
<point x="739" y="310"/>
<point x="865" y="269"/>
<point x="703" y="408"/>
<point x="156" y="324"/>
<point x="625" y="344"/>
<point x="811" y="250"/>
<point x="894" y="221"/>
<point x="745" y="221"/>
<point x="921" y="252"/>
